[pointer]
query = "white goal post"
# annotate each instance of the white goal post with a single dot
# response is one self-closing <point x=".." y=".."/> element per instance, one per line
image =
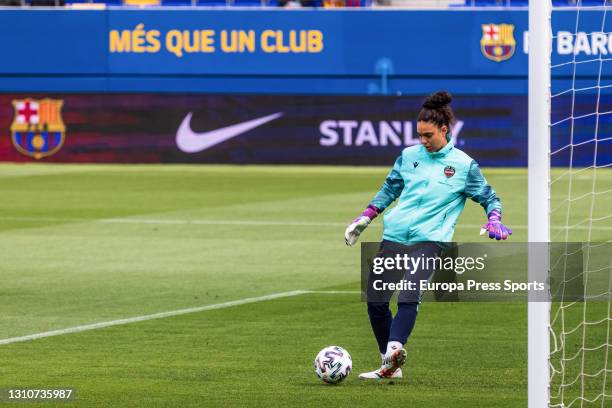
<point x="540" y="43"/>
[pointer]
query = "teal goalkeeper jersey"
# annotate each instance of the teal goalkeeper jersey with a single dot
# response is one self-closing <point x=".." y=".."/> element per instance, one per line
<point x="432" y="189"/>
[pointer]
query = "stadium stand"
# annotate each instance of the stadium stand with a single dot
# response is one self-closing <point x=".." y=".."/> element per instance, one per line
<point x="413" y="4"/>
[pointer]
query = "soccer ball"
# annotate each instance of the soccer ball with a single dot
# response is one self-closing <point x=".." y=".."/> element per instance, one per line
<point x="333" y="364"/>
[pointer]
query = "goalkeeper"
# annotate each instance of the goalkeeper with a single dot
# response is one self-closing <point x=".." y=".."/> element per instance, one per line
<point x="432" y="181"/>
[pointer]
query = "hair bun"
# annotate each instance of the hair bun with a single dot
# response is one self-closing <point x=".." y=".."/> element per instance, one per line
<point x="437" y="100"/>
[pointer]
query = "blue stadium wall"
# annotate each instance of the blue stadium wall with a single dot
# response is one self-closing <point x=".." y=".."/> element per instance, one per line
<point x="346" y="84"/>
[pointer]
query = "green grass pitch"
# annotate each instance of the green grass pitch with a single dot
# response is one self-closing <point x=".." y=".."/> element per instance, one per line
<point x="82" y="244"/>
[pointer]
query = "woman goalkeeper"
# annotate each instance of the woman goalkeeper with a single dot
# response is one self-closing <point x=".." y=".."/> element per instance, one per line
<point x="432" y="181"/>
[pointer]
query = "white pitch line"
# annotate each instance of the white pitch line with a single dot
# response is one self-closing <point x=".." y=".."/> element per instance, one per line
<point x="162" y="315"/>
<point x="294" y="223"/>
<point x="222" y="222"/>
<point x="336" y="292"/>
<point x="160" y="221"/>
<point x="94" y="326"/>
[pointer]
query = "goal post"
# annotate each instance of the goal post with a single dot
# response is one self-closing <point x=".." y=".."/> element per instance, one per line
<point x="540" y="42"/>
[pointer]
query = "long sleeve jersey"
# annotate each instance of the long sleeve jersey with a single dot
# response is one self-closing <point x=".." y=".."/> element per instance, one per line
<point x="432" y="189"/>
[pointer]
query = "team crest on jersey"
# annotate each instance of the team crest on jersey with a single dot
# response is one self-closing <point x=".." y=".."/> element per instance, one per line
<point x="497" y="42"/>
<point x="37" y="129"/>
<point x="449" y="171"/>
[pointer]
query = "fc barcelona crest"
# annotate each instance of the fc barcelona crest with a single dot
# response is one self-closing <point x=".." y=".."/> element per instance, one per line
<point x="37" y="129"/>
<point x="497" y="42"/>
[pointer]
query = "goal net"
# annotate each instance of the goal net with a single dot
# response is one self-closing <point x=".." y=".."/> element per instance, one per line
<point x="580" y="361"/>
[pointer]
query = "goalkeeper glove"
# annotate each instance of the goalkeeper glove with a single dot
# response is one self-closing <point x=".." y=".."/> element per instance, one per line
<point x="495" y="227"/>
<point x="355" y="228"/>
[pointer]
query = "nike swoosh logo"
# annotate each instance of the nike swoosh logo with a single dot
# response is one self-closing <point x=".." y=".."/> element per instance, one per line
<point x="190" y="142"/>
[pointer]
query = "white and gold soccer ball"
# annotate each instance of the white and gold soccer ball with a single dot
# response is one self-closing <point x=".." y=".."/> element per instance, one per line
<point x="333" y="364"/>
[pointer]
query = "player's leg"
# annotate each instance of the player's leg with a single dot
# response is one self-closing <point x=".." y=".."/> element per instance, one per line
<point x="379" y="312"/>
<point x="407" y="309"/>
<point x="378" y="300"/>
<point x="403" y="323"/>
<point x="380" y="320"/>
<point x="401" y="328"/>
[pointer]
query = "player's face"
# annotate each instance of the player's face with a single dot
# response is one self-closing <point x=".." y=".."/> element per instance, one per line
<point x="432" y="137"/>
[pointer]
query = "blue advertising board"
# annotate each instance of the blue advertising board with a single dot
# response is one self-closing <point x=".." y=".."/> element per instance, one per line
<point x="333" y="51"/>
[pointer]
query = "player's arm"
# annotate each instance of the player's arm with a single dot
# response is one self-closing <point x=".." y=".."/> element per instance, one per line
<point x="388" y="193"/>
<point x="477" y="188"/>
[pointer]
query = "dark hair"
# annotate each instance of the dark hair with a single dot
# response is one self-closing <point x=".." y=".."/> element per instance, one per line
<point x="436" y="109"/>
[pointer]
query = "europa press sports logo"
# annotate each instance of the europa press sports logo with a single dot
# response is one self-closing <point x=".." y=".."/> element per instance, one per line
<point x="37" y="129"/>
<point x="497" y="42"/>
